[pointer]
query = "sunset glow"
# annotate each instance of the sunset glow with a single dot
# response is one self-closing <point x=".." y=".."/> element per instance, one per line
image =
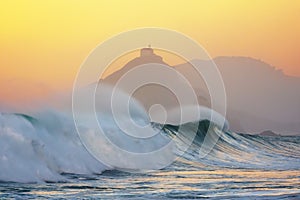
<point x="46" y="41"/>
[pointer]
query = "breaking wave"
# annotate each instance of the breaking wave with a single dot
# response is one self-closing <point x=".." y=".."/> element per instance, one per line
<point x="45" y="145"/>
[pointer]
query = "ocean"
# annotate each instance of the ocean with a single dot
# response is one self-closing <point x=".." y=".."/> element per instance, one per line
<point x="42" y="157"/>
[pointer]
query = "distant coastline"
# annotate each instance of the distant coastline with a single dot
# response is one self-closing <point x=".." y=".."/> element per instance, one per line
<point x="259" y="96"/>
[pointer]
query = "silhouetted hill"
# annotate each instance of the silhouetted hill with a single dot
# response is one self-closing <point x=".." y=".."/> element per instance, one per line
<point x="151" y="94"/>
<point x="146" y="56"/>
<point x="268" y="133"/>
<point x="259" y="97"/>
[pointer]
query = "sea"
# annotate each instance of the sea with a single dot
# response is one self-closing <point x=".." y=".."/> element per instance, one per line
<point x="45" y="155"/>
<point x="40" y="162"/>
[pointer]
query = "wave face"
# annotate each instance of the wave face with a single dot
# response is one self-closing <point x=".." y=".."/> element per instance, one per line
<point x="44" y="147"/>
<point x="245" y="151"/>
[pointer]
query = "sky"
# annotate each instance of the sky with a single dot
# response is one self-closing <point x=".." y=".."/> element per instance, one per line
<point x="45" y="42"/>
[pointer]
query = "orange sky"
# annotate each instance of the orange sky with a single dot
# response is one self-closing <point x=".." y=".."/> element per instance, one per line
<point x="46" y="41"/>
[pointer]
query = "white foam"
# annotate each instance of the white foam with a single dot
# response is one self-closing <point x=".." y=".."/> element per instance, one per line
<point x="38" y="152"/>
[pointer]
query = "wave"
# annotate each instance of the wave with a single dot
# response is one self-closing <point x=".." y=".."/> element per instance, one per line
<point x="236" y="150"/>
<point x="44" y="148"/>
<point x="41" y="149"/>
<point x="45" y="145"/>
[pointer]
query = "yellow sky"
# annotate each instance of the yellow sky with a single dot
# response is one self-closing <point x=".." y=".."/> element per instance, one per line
<point x="46" y="41"/>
